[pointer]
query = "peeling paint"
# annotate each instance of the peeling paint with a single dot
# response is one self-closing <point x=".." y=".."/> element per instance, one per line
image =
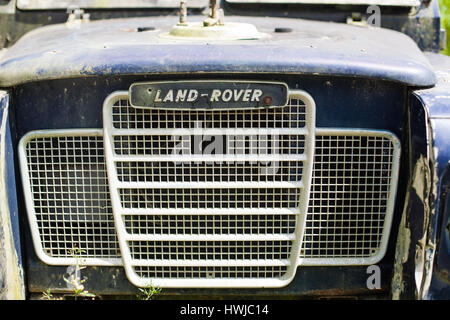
<point x="423" y="188"/>
<point x="11" y="273"/>
<point x="424" y="183"/>
<point x="429" y="236"/>
<point x="421" y="184"/>
<point x="401" y="255"/>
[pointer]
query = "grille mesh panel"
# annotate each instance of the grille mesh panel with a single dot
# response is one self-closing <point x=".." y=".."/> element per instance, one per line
<point x="244" y="171"/>
<point x="125" y="117"/>
<point x="210" y="224"/>
<point x="209" y="250"/>
<point x="209" y="198"/>
<point x="210" y="272"/>
<point x="237" y="145"/>
<point x="349" y="195"/>
<point x="69" y="187"/>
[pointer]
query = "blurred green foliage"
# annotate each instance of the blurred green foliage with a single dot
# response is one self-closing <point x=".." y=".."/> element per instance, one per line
<point x="445" y="21"/>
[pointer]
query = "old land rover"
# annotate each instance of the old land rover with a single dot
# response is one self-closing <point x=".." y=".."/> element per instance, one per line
<point x="248" y="148"/>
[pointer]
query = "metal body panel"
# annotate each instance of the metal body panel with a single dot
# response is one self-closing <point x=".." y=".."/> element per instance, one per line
<point x="342" y="102"/>
<point x="422" y="24"/>
<point x="440" y="224"/>
<point x="437" y="98"/>
<point x="436" y="102"/>
<point x="310" y="282"/>
<point x="103" y="48"/>
<point x="11" y="268"/>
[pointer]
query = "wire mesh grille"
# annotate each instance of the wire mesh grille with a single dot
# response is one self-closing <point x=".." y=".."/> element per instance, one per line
<point x="184" y="198"/>
<point x="126" y="117"/>
<point x="70" y="193"/>
<point x="252" y="144"/>
<point x="349" y="194"/>
<point x="177" y="272"/>
<point x="223" y="224"/>
<point x="209" y="250"/>
<point x="148" y="191"/>
<point x="352" y="180"/>
<point x="201" y="171"/>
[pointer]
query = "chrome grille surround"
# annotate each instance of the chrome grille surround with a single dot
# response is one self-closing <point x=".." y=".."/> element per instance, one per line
<point x="212" y="256"/>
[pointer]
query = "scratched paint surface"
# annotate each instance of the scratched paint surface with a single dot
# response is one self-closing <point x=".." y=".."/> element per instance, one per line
<point x="11" y="273"/>
<point x="114" y="47"/>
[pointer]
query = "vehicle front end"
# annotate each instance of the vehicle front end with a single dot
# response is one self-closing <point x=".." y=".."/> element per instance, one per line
<point x="229" y="157"/>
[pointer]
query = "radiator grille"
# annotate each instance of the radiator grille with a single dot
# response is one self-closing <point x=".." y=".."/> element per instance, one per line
<point x="244" y="171"/>
<point x="185" y="144"/>
<point x="68" y="186"/>
<point x="223" y="224"/>
<point x="291" y="116"/>
<point x="352" y="186"/>
<point x="213" y="198"/>
<point x="196" y="219"/>
<point x="207" y="251"/>
<point x="210" y="272"/>
<point x="250" y="162"/>
<point x="350" y="195"/>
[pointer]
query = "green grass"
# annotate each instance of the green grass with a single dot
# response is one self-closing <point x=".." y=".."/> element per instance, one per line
<point x="445" y="21"/>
